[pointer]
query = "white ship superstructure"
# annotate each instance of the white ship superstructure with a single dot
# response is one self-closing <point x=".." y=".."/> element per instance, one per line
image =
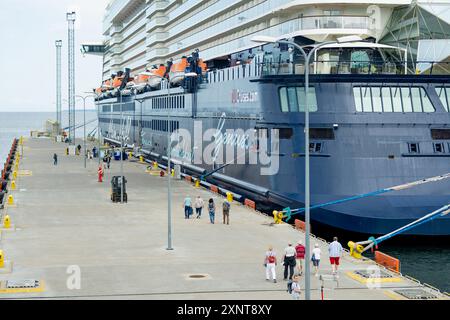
<point x="141" y="33"/>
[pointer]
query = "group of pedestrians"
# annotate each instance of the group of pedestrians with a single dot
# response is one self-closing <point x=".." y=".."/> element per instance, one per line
<point x="199" y="205"/>
<point x="293" y="259"/>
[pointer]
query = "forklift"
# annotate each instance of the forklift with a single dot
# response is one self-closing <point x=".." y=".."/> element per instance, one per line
<point x="116" y="185"/>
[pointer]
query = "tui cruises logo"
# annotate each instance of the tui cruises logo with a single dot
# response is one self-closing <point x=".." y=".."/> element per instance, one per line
<point x="243" y="97"/>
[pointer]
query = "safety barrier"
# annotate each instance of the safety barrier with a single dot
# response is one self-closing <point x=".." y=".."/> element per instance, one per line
<point x="249" y="203"/>
<point x="300" y="225"/>
<point x="387" y="261"/>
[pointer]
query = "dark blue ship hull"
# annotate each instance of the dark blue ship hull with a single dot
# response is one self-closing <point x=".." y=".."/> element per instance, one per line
<point x="353" y="151"/>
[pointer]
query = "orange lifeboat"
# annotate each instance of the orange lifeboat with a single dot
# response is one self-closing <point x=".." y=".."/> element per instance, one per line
<point x="178" y="71"/>
<point x="203" y="66"/>
<point x="156" y="76"/>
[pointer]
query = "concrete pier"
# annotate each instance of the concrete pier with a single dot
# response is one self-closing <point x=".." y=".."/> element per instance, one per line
<point x="65" y="222"/>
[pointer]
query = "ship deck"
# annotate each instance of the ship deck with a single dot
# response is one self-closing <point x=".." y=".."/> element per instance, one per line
<point x="64" y="218"/>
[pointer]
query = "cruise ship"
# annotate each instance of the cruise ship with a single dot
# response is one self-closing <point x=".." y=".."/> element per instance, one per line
<point x="379" y="107"/>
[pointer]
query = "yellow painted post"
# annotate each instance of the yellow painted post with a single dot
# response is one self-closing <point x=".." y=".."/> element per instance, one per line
<point x="155" y="165"/>
<point x="197" y="183"/>
<point x="2" y="259"/>
<point x="130" y="155"/>
<point x="275" y="216"/>
<point x="10" y="200"/>
<point x="173" y="172"/>
<point x="229" y="197"/>
<point x="13" y="185"/>
<point x="141" y="159"/>
<point x="6" y="222"/>
<point x="355" y="249"/>
<point x="280" y="217"/>
<point x="14" y="174"/>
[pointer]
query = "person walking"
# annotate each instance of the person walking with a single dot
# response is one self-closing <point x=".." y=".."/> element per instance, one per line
<point x="335" y="253"/>
<point x="100" y="174"/>
<point x="108" y="161"/>
<point x="315" y="258"/>
<point x="199" y="205"/>
<point x="226" y="212"/>
<point x="187" y="207"/>
<point x="300" y="255"/>
<point x="212" y="211"/>
<point x="289" y="261"/>
<point x="295" y="288"/>
<point x="55" y="159"/>
<point x="270" y="262"/>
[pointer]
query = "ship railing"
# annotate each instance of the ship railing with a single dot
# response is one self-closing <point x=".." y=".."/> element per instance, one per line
<point x="356" y="67"/>
<point x="253" y="69"/>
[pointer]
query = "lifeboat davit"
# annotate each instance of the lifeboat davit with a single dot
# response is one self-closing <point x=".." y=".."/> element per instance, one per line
<point x="178" y="71"/>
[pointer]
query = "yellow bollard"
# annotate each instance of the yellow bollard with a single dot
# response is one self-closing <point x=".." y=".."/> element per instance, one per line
<point x="197" y="183"/>
<point x="280" y="217"/>
<point x="275" y="216"/>
<point x="7" y="222"/>
<point x="13" y="185"/>
<point x="14" y="174"/>
<point x="229" y="197"/>
<point x="2" y="259"/>
<point x="155" y="165"/>
<point x="10" y="200"/>
<point x="141" y="159"/>
<point x="355" y="250"/>
<point x="130" y="155"/>
<point x="173" y="173"/>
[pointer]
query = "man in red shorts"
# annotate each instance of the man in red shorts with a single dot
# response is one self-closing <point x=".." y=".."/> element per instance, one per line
<point x="335" y="253"/>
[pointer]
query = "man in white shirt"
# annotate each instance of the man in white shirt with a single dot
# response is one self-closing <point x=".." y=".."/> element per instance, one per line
<point x="335" y="253"/>
<point x="199" y="205"/>
<point x="289" y="261"/>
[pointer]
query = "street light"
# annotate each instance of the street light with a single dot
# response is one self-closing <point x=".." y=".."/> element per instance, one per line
<point x="307" y="57"/>
<point x="169" y="154"/>
<point x="84" y="124"/>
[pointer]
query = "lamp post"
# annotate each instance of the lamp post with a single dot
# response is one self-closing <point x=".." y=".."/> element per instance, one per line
<point x="169" y="160"/>
<point x="71" y="17"/>
<point x="58" y="45"/>
<point x="84" y="123"/>
<point x="307" y="57"/>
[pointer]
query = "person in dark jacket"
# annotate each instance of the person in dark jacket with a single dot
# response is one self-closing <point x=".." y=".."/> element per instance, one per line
<point x="289" y="261"/>
<point x="55" y="159"/>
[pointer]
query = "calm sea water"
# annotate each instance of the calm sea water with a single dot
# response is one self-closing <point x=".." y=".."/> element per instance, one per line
<point x="427" y="260"/>
<point x="16" y="124"/>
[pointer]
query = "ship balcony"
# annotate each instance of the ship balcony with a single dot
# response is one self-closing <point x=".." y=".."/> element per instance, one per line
<point x="156" y="22"/>
<point x="315" y="27"/>
<point x="156" y="37"/>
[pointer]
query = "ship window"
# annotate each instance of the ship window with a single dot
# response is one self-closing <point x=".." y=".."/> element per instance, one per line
<point x="376" y="99"/>
<point x="366" y="99"/>
<point x="413" y="147"/>
<point x="284" y="101"/>
<point x="293" y="99"/>
<point x="392" y="99"/>
<point x="397" y="99"/>
<point x="286" y="133"/>
<point x="406" y="99"/>
<point x="444" y="95"/>
<point x="315" y="147"/>
<point x="438" y="147"/>
<point x="387" y="99"/>
<point x="358" y="97"/>
<point x="440" y="134"/>
<point x="321" y="134"/>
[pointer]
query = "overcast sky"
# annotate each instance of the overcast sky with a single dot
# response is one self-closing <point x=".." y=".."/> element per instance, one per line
<point x="28" y="30"/>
